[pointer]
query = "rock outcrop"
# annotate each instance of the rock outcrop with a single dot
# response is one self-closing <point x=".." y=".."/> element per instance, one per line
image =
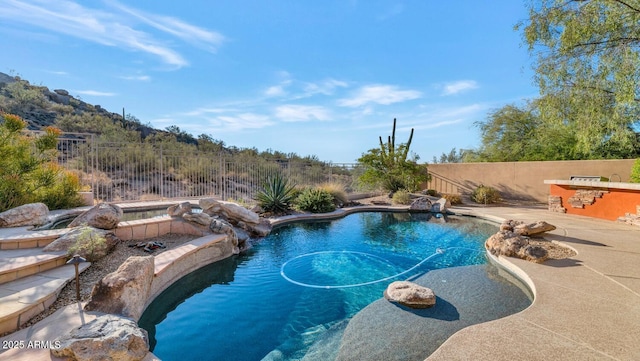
<point x="103" y="216"/>
<point x="202" y="219"/>
<point x="88" y="242"/>
<point x="231" y="211"/>
<point x="510" y="244"/>
<point x="440" y="206"/>
<point x="421" y="204"/>
<point x="424" y="204"/>
<point x="410" y="294"/>
<point x="32" y="214"/>
<point x="527" y="229"/>
<point x="177" y="210"/>
<point x="108" y="337"/>
<point x="125" y="291"/>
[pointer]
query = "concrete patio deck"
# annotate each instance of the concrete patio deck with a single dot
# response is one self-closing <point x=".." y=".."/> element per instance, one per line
<point x="585" y="308"/>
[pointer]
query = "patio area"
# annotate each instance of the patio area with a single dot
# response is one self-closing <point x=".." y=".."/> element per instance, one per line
<point x="586" y="307"/>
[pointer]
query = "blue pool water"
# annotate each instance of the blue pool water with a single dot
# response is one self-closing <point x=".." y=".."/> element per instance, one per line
<point x="303" y="282"/>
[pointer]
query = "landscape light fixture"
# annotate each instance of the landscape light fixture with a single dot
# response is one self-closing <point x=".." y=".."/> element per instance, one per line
<point x="75" y="261"/>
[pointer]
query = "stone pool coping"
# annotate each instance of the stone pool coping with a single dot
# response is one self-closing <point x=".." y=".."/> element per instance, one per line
<point x="585" y="307"/>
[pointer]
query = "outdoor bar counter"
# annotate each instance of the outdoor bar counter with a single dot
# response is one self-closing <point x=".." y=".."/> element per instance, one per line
<point x="600" y="199"/>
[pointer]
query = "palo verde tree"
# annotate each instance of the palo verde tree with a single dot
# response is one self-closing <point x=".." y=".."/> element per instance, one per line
<point x="391" y="167"/>
<point x="588" y="70"/>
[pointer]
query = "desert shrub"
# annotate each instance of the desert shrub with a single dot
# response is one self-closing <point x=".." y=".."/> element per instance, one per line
<point x="453" y="198"/>
<point x="401" y="197"/>
<point x="28" y="172"/>
<point x="62" y="191"/>
<point x="486" y="195"/>
<point x="276" y="194"/>
<point x="88" y="244"/>
<point x="635" y="172"/>
<point x="431" y="192"/>
<point x="337" y="192"/>
<point x="315" y="200"/>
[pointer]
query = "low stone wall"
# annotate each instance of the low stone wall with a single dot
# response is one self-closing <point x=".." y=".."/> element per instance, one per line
<point x="174" y="264"/>
<point x="154" y="227"/>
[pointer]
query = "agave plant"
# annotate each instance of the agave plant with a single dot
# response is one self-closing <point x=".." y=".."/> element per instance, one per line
<point x="276" y="194"/>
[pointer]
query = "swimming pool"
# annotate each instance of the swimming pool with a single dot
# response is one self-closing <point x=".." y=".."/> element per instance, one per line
<point x="291" y="297"/>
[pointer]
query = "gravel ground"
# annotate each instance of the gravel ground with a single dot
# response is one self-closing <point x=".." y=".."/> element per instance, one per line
<point x="104" y="266"/>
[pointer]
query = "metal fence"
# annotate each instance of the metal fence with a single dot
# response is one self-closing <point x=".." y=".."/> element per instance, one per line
<point x="142" y="171"/>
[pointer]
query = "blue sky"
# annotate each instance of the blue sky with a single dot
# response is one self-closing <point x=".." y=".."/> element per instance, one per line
<point x="322" y="78"/>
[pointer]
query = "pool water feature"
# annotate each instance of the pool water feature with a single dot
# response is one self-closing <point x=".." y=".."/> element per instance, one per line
<point x="64" y="220"/>
<point x="292" y="295"/>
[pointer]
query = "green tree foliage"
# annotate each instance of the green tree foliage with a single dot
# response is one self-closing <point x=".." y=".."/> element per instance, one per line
<point x="28" y="172"/>
<point x="454" y="156"/>
<point x="588" y="70"/>
<point x="635" y="172"/>
<point x="390" y="166"/>
<point x="514" y="133"/>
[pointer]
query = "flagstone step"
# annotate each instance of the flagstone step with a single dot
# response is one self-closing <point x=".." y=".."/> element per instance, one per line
<point x="21" y="238"/>
<point x="24" y="298"/>
<point x="19" y="263"/>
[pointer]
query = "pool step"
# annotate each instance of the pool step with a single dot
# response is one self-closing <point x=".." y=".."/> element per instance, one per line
<point x="19" y="263"/>
<point x="26" y="297"/>
<point x="21" y="238"/>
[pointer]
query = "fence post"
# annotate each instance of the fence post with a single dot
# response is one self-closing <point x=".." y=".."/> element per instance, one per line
<point x="161" y="173"/>
<point x="222" y="171"/>
<point x="93" y="159"/>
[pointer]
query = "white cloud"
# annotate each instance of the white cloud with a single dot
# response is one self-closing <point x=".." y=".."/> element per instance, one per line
<point x="459" y="87"/>
<point x="136" y="77"/>
<point x="120" y="28"/>
<point x="241" y="121"/>
<point x="380" y="94"/>
<point x="275" y="91"/>
<point x="95" y="93"/>
<point x="439" y="124"/>
<point x="205" y="111"/>
<point x="197" y="36"/>
<point x="296" y="113"/>
<point x="326" y="87"/>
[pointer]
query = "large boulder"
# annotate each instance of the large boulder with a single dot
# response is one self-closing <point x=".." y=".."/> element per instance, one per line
<point x="410" y="294"/>
<point x="108" y="337"/>
<point x="440" y="206"/>
<point x="533" y="229"/>
<point x="210" y="206"/>
<point x="220" y="226"/>
<point x="510" y="244"/>
<point x="261" y="229"/>
<point x="125" y="291"/>
<point x="177" y="210"/>
<point x="421" y="204"/>
<point x="88" y="242"/>
<point x="228" y="210"/>
<point x="239" y="213"/>
<point x="202" y="219"/>
<point x="103" y="216"/>
<point x="32" y="214"/>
